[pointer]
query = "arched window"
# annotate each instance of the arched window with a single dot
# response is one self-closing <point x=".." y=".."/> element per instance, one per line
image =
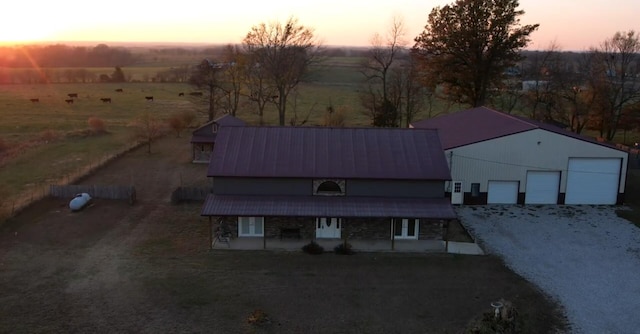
<point x="329" y="187"/>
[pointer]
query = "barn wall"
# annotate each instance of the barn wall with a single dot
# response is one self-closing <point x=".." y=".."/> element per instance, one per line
<point x="509" y="158"/>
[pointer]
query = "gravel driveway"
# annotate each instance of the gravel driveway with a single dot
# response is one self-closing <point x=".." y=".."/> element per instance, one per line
<point x="585" y="256"/>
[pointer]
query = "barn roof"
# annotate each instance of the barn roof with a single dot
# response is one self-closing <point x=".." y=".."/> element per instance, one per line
<point x="205" y="134"/>
<point x="321" y="152"/>
<point x="479" y="124"/>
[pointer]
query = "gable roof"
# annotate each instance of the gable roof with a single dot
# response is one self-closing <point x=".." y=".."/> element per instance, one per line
<point x="205" y="134"/>
<point x="320" y="152"/>
<point x="479" y="124"/>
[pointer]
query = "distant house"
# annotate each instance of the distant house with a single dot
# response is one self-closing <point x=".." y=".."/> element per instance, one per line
<point x="203" y="138"/>
<point x="381" y="187"/>
<point x="505" y="159"/>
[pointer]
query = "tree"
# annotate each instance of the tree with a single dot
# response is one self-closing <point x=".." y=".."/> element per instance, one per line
<point x="469" y="44"/>
<point x="146" y="128"/>
<point x="377" y="70"/>
<point x="118" y="75"/>
<point x="615" y="76"/>
<point x="209" y="75"/>
<point x="284" y="53"/>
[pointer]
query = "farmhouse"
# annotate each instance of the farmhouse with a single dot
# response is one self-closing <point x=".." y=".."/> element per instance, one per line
<point x="285" y="186"/>
<point x="203" y="138"/>
<point x="499" y="158"/>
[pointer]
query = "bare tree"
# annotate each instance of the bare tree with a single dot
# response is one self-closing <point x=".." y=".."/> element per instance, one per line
<point x="232" y="79"/>
<point x="615" y="78"/>
<point x="377" y="71"/>
<point x="147" y="128"/>
<point x="284" y="53"/>
<point x="209" y="75"/>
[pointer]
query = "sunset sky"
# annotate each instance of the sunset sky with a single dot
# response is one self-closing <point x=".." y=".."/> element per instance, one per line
<point x="573" y="24"/>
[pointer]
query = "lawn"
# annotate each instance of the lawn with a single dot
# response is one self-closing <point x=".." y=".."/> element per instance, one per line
<point x="148" y="268"/>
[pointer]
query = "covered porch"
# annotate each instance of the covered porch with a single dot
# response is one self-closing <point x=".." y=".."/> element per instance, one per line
<point x="367" y="223"/>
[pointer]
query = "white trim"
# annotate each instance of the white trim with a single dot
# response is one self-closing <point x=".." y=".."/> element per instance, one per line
<point x="250" y="226"/>
<point x="404" y="229"/>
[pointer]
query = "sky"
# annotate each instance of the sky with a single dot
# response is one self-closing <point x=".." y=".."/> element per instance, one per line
<point x="574" y="25"/>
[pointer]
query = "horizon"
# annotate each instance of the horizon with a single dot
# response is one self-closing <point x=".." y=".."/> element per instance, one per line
<point x="571" y="27"/>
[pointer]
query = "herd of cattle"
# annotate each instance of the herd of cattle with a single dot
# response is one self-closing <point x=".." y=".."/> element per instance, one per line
<point x="73" y="96"/>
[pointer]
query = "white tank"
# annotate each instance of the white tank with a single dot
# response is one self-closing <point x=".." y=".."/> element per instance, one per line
<point x="79" y="202"/>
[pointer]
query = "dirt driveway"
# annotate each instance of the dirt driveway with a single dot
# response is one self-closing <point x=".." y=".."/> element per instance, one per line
<point x="147" y="268"/>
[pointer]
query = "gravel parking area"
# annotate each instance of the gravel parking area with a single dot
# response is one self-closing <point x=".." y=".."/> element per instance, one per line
<point x="584" y="256"/>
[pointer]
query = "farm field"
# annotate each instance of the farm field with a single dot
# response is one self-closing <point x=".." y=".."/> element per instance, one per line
<point x="147" y="268"/>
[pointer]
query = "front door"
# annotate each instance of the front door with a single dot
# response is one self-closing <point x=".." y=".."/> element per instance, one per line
<point x="456" y="192"/>
<point x="328" y="227"/>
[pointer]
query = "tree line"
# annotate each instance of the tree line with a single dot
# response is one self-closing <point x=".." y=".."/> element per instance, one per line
<point x="60" y="55"/>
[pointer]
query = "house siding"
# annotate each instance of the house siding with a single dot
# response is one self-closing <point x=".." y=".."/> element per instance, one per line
<point x="509" y="158"/>
<point x="304" y="187"/>
<point x="389" y="188"/>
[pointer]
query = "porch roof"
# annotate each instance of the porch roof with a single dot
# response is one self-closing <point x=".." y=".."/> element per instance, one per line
<point x="327" y="206"/>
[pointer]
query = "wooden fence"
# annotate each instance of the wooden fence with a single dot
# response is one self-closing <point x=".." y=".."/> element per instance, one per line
<point x="187" y="194"/>
<point x="127" y="193"/>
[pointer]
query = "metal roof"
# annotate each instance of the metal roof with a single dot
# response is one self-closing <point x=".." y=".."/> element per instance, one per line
<point x="321" y="152"/>
<point x="479" y="124"/>
<point x="205" y="134"/>
<point x="327" y="206"/>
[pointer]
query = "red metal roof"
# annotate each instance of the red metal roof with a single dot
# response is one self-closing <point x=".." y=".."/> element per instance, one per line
<point x="321" y="152"/>
<point x="482" y="123"/>
<point x="326" y="206"/>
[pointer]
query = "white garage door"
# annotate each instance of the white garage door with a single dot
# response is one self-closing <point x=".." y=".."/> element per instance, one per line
<point x="542" y="187"/>
<point x="502" y="192"/>
<point x="592" y="181"/>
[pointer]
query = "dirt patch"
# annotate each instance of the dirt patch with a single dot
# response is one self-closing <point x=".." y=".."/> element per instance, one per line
<point x="147" y="268"/>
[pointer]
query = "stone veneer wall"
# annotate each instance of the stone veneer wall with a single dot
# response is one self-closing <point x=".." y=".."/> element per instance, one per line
<point x="305" y="224"/>
<point x="366" y="228"/>
<point x="431" y="229"/>
<point x="353" y="228"/>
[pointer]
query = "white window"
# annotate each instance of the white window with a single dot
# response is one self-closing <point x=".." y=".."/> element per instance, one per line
<point x="250" y="226"/>
<point x="405" y="228"/>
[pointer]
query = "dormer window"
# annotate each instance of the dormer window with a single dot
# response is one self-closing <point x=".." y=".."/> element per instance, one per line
<point x="329" y="187"/>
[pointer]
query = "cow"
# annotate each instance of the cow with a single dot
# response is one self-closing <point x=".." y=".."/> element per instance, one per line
<point x="69" y="101"/>
<point x="106" y="100"/>
<point x="72" y="95"/>
<point x="119" y="90"/>
<point x="34" y="100"/>
<point x="180" y="94"/>
<point x="149" y="98"/>
<point x="195" y="93"/>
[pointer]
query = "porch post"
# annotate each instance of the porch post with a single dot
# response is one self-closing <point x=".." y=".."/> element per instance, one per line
<point x="264" y="233"/>
<point x="446" y="238"/>
<point x="210" y="234"/>
<point x="393" y="234"/>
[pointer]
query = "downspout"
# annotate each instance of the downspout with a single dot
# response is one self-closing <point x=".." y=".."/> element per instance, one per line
<point x="264" y="233"/>
<point x="449" y="189"/>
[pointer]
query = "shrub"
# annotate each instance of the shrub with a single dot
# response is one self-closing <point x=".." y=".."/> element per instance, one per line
<point x="49" y="136"/>
<point x="313" y="248"/>
<point x="96" y="125"/>
<point x="176" y="123"/>
<point x="258" y="317"/>
<point x="188" y="116"/>
<point x="3" y="145"/>
<point x="344" y="248"/>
